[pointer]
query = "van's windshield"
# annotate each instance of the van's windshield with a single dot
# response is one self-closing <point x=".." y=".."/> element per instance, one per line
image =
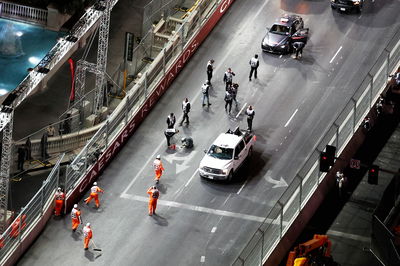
<point x="220" y="152"/>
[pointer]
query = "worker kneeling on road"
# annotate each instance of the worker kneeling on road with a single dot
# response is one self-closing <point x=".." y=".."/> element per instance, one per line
<point x="75" y="217"/>
<point x="158" y="168"/>
<point x="88" y="234"/>
<point x="154" y="195"/>
<point x="187" y="142"/>
<point x="59" y="198"/>
<point x="94" y="194"/>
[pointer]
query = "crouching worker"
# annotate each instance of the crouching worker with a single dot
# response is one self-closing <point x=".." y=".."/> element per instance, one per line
<point x="169" y="133"/>
<point x="187" y="142"/>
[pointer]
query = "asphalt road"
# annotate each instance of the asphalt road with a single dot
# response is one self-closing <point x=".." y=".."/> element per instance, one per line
<point x="199" y="222"/>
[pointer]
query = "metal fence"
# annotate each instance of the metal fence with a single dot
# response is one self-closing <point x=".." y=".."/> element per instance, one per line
<point x="137" y="94"/>
<point x="29" y="215"/>
<point x="306" y="181"/>
<point x="23" y="13"/>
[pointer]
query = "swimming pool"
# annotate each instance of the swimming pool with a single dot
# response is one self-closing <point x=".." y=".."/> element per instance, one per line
<point x="22" y="46"/>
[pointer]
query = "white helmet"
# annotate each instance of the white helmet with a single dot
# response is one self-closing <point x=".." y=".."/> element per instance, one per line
<point x="59" y="189"/>
<point x="95" y="184"/>
<point x="88" y="224"/>
<point x="158" y="156"/>
<point x="75" y="206"/>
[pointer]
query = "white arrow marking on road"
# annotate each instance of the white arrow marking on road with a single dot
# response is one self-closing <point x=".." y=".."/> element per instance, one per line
<point x="185" y="159"/>
<point x="277" y="183"/>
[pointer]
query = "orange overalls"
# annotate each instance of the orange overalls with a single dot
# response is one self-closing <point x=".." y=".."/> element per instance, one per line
<point x="154" y="194"/>
<point x="76" y="218"/>
<point x="94" y="195"/>
<point x="60" y="197"/>
<point x="158" y="169"/>
<point x="87" y="233"/>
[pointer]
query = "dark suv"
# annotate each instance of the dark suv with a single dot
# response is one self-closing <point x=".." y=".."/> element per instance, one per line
<point x="344" y="5"/>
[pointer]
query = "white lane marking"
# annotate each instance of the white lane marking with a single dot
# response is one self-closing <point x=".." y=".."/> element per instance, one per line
<point x="147" y="164"/>
<point x="290" y="119"/>
<point x="241" y="110"/>
<point x="226" y="200"/>
<point x="349" y="236"/>
<point x="214" y="229"/>
<point x="241" y="188"/>
<point x="333" y="58"/>
<point x="190" y="179"/>
<point x="199" y="209"/>
<point x="202" y="258"/>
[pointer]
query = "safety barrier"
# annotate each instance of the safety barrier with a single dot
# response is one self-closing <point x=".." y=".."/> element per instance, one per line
<point x="23" y="13"/>
<point x="308" y="178"/>
<point x="30" y="220"/>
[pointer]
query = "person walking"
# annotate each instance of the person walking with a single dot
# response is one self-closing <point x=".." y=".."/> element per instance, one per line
<point x="204" y="89"/>
<point x="254" y="63"/>
<point x="21" y="157"/>
<point x="298" y="48"/>
<point x="75" y="217"/>
<point x="88" y="234"/>
<point x="210" y="69"/>
<point x="228" y="100"/>
<point x="228" y="78"/>
<point x="50" y="131"/>
<point x="158" y="168"/>
<point x="186" y="110"/>
<point x="340" y="181"/>
<point x="154" y="194"/>
<point x="171" y="120"/>
<point x="234" y="90"/>
<point x="250" y="116"/>
<point x="59" y="201"/>
<point x="94" y="195"/>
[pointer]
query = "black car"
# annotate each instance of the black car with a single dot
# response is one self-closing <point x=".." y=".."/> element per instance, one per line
<point x="280" y="36"/>
<point x="345" y="5"/>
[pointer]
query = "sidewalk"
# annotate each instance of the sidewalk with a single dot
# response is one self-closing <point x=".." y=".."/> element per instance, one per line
<point x="347" y="219"/>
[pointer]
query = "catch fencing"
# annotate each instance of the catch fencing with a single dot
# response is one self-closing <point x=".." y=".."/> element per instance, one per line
<point x="306" y="181"/>
<point x="40" y="205"/>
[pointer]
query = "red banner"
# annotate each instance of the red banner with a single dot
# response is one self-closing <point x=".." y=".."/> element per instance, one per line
<point x="71" y="67"/>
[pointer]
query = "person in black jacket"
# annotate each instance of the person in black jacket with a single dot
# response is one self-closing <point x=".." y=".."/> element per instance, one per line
<point x="228" y="100"/>
<point x="210" y="68"/>
<point x="228" y="78"/>
<point x="186" y="110"/>
<point x="171" y="120"/>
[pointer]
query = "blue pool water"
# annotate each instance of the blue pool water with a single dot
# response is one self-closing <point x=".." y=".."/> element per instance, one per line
<point x="22" y="46"/>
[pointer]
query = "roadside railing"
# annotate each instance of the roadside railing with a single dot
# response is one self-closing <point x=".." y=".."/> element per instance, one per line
<point x="306" y="181"/>
<point x="24" y="13"/>
<point x="27" y="218"/>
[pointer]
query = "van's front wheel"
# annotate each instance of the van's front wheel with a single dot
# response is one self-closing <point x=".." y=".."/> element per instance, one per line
<point x="230" y="176"/>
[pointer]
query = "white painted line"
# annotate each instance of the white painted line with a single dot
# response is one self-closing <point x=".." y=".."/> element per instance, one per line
<point x="333" y="58"/>
<point x="244" y="105"/>
<point x="349" y="236"/>
<point x="241" y="188"/>
<point x="190" y="179"/>
<point x="290" y="119"/>
<point x="214" y="229"/>
<point x="226" y="200"/>
<point x="146" y="164"/>
<point x="199" y="208"/>
<point x="202" y="259"/>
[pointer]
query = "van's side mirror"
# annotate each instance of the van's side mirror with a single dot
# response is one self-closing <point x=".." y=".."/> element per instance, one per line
<point x="267" y="28"/>
<point x="205" y="151"/>
<point x="236" y="157"/>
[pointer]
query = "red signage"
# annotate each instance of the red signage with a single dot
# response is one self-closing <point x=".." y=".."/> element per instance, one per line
<point x="171" y="74"/>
